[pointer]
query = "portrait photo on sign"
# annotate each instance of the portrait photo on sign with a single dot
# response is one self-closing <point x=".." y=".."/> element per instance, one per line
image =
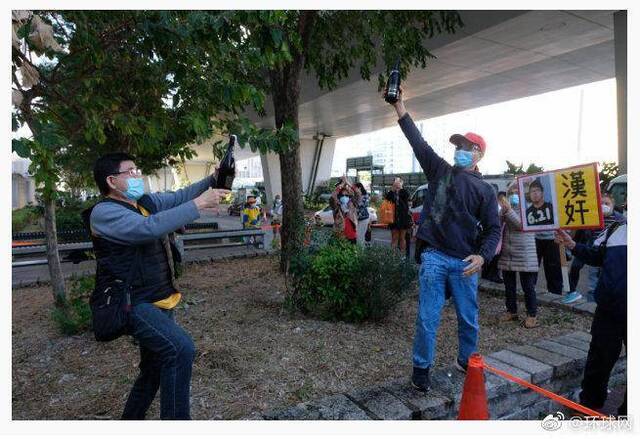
<point x="539" y="207"/>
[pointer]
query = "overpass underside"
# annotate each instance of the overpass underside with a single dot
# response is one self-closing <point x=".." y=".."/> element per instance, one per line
<point x="498" y="56"/>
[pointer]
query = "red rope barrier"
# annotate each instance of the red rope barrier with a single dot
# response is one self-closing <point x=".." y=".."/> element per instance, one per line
<point x="564" y="401"/>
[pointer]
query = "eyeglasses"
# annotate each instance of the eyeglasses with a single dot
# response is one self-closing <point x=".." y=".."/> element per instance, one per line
<point x="134" y="172"/>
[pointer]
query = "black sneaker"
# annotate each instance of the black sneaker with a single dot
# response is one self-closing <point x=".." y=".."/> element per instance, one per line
<point x="420" y="379"/>
<point x="461" y="367"/>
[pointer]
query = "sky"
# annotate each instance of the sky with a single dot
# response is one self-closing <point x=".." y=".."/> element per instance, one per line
<point x="543" y="129"/>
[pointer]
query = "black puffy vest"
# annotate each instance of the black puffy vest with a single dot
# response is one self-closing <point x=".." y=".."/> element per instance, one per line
<point x="153" y="279"/>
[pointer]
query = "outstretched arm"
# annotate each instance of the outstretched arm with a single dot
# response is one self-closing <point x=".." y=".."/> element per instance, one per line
<point x="432" y="164"/>
<point x="169" y="200"/>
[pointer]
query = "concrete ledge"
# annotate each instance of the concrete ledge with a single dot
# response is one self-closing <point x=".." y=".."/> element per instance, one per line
<point x="554" y="364"/>
<point x="554" y="300"/>
<point x="561" y="364"/>
<point x="431" y="405"/>
<point x="380" y="404"/>
<point x="539" y="371"/>
<point x="573" y="343"/>
<point x="336" y="407"/>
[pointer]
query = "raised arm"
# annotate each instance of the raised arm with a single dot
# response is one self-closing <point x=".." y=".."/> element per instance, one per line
<point x="333" y="201"/>
<point x="169" y="200"/>
<point x="356" y="195"/>
<point x="513" y="218"/>
<point x="432" y="164"/>
<point x="119" y="224"/>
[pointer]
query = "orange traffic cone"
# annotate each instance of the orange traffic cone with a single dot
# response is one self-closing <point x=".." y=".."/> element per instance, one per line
<point x="474" y="394"/>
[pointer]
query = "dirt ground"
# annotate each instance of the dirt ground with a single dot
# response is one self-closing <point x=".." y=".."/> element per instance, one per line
<point x="253" y="355"/>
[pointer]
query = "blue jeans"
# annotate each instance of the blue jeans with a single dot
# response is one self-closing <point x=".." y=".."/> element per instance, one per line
<point x="437" y="271"/>
<point x="166" y="357"/>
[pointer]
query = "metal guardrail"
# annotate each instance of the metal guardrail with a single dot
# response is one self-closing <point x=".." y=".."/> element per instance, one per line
<point x="37" y="249"/>
<point x="82" y="233"/>
<point x="191" y="237"/>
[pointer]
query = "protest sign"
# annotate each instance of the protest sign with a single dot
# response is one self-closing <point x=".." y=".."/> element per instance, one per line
<point x="566" y="198"/>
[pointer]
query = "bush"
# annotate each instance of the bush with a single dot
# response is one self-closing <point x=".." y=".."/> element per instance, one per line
<point x="342" y="281"/>
<point x="310" y="202"/>
<point x="21" y="218"/>
<point x="69" y="219"/>
<point x="69" y="212"/>
<point x="74" y="317"/>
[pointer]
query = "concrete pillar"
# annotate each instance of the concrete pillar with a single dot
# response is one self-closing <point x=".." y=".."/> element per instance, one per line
<point x="308" y="151"/>
<point x="271" y="175"/>
<point x="620" y="45"/>
<point x="271" y="166"/>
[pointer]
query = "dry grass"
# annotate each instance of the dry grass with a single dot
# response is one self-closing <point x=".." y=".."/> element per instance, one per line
<point x="252" y="354"/>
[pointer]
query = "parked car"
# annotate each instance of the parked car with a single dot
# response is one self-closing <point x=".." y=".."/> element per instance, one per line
<point x="324" y="217"/>
<point x="415" y="205"/>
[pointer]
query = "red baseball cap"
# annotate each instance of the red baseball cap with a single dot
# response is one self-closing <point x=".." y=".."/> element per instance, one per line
<point x="473" y="138"/>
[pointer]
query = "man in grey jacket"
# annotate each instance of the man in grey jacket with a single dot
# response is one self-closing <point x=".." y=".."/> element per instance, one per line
<point x="129" y="229"/>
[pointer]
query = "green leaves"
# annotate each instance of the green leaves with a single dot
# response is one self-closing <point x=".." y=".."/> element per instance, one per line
<point x="341" y="281"/>
<point x="343" y="40"/>
<point x="22" y="147"/>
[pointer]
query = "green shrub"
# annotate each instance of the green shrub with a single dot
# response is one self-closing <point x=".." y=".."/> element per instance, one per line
<point x="21" y="218"/>
<point x="310" y="202"/>
<point x="69" y="219"/>
<point x="342" y="281"/>
<point x="74" y="317"/>
<point x="69" y="212"/>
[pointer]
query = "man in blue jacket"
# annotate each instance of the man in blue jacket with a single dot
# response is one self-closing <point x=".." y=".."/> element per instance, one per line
<point x="461" y="231"/>
<point x="609" y="326"/>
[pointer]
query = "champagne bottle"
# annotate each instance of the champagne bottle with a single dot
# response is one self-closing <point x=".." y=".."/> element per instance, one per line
<point x="227" y="170"/>
<point x="393" y="85"/>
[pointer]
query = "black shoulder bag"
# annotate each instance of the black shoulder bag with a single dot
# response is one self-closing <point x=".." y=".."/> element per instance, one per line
<point x="110" y="307"/>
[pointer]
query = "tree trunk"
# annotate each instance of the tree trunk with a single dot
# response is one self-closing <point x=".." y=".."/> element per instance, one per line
<point x="53" y="257"/>
<point x="285" y="88"/>
<point x="292" y="235"/>
<point x="286" y="91"/>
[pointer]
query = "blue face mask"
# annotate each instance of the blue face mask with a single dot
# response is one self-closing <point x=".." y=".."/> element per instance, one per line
<point x="514" y="199"/>
<point x="135" y="189"/>
<point x="344" y="199"/>
<point x="462" y="159"/>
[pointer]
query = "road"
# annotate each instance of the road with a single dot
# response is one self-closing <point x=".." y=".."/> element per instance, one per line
<point x="27" y="275"/>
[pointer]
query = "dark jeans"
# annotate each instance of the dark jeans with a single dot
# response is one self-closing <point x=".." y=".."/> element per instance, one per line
<point x="607" y="335"/>
<point x="491" y="272"/>
<point x="166" y="356"/>
<point x="528" y="282"/>
<point x="549" y="253"/>
<point x="574" y="273"/>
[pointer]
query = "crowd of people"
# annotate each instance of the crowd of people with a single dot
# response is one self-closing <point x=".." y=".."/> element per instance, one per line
<point x="463" y="227"/>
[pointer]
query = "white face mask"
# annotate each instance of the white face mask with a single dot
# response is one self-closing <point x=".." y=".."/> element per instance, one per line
<point x="606" y="210"/>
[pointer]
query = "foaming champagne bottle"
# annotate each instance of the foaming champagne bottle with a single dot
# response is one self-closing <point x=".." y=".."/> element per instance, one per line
<point x="227" y="170"/>
<point x="393" y="85"/>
